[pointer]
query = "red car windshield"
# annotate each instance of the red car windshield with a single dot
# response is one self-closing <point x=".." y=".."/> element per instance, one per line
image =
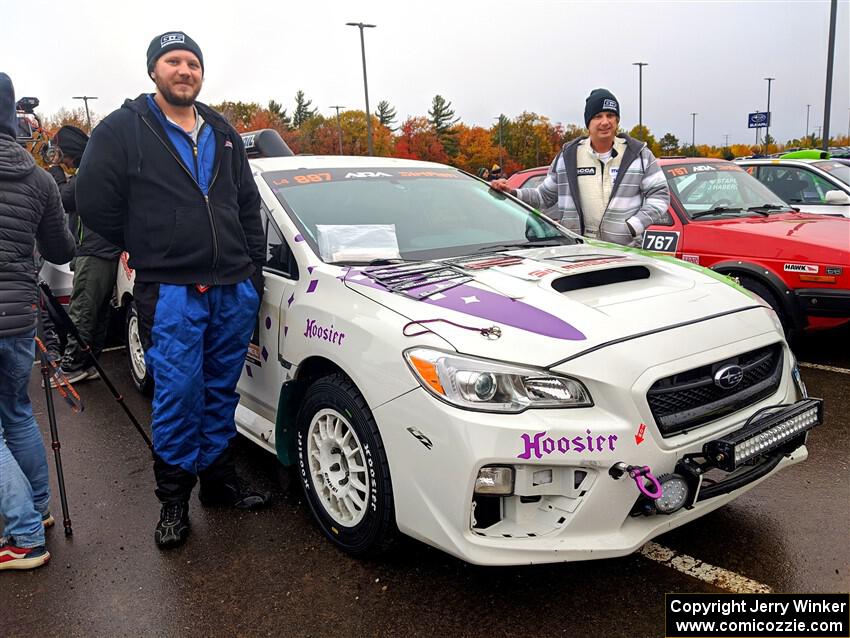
<point x="720" y="187"/>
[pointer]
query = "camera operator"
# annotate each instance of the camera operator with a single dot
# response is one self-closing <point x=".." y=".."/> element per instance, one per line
<point x="94" y="267"/>
<point x="30" y="212"/>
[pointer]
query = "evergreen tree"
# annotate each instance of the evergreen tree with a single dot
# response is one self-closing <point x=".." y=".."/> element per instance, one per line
<point x="441" y="115"/>
<point x="442" y="118"/>
<point x="278" y="113"/>
<point x="386" y="114"/>
<point x="302" y="111"/>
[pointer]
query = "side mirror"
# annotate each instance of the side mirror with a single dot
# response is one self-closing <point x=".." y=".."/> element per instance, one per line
<point x="837" y="197"/>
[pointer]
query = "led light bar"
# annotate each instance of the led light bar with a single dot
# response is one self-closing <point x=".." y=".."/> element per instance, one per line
<point x="765" y="434"/>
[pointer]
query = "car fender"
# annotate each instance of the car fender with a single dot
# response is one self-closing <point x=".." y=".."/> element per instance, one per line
<point x="774" y="282"/>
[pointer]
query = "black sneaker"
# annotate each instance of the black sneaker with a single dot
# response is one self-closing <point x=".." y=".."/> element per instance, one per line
<point x="234" y="493"/>
<point x="173" y="526"/>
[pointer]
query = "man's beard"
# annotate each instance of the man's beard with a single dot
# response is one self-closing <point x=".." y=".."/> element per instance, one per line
<point x="175" y="100"/>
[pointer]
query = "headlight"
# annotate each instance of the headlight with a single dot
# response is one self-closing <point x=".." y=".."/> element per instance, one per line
<point x="798" y="380"/>
<point x="489" y="386"/>
<point x="777" y="322"/>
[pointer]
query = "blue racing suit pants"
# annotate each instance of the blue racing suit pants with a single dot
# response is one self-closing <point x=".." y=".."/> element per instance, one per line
<point x="195" y="346"/>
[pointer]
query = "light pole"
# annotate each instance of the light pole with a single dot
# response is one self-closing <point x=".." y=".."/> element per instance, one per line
<point x="830" y="57"/>
<point x="808" y="107"/>
<point x="725" y="141"/>
<point x="694" y="133"/>
<point x="362" y="26"/>
<point x="640" y="66"/>
<point x="339" y="126"/>
<point x="85" y="99"/>
<point x="501" y="163"/>
<point x="767" y="129"/>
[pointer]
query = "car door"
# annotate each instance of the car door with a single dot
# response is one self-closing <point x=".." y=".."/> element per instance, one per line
<point x="263" y="375"/>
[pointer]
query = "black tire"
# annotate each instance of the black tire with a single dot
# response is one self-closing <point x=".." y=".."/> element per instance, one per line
<point x="135" y="352"/>
<point x="336" y="399"/>
<point x="766" y="293"/>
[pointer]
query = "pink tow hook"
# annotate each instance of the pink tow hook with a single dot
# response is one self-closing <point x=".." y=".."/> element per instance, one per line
<point x="639" y="474"/>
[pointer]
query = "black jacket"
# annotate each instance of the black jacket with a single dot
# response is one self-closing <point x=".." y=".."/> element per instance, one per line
<point x="89" y="243"/>
<point x="134" y="191"/>
<point x="30" y="212"/>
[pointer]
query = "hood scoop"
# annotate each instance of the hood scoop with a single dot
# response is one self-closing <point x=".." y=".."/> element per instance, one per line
<point x="603" y="277"/>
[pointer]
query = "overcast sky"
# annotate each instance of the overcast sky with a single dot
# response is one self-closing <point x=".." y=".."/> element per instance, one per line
<point x="485" y="57"/>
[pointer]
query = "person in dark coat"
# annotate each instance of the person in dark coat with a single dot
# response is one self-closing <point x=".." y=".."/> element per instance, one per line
<point x="167" y="178"/>
<point x="30" y="213"/>
<point x="95" y="266"/>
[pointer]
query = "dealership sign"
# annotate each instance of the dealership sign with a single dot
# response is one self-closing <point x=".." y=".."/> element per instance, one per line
<point x="758" y="120"/>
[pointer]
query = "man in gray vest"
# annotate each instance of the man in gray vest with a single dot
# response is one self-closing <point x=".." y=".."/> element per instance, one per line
<point x="607" y="186"/>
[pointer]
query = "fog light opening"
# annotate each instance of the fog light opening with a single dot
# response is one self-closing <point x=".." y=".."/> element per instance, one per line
<point x="495" y="480"/>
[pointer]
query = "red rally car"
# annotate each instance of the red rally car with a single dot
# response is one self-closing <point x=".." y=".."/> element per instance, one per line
<point x="724" y="219"/>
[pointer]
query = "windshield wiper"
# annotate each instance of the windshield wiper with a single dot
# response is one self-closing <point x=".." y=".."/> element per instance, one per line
<point x="716" y="211"/>
<point x="381" y="261"/>
<point x="530" y="243"/>
<point x="766" y="207"/>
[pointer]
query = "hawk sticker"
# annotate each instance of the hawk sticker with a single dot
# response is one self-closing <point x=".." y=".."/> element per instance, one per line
<point x="808" y="269"/>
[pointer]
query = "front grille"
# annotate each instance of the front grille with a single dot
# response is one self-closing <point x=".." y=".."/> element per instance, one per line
<point x="689" y="399"/>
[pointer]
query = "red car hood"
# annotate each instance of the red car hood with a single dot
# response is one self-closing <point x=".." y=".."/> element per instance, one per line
<point x="784" y="235"/>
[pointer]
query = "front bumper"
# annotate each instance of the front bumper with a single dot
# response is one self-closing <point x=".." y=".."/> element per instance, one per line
<point x="578" y="512"/>
<point x="823" y="302"/>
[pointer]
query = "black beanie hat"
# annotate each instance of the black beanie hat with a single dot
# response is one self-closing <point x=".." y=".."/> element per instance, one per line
<point x="169" y="41"/>
<point x="8" y="116"/>
<point x="72" y="142"/>
<point x="600" y="100"/>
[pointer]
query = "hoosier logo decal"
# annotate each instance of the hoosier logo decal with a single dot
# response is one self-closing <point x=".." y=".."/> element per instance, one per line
<point x="588" y="170"/>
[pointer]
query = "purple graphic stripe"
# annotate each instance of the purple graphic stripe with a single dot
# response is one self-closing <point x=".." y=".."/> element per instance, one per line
<point x="493" y="307"/>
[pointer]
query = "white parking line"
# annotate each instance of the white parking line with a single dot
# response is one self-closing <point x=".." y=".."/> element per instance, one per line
<point x="818" y="366"/>
<point x="114" y="348"/>
<point x="717" y="576"/>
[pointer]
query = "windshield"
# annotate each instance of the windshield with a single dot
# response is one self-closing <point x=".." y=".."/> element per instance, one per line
<point x="836" y="169"/>
<point x="357" y="215"/>
<point x="725" y="187"/>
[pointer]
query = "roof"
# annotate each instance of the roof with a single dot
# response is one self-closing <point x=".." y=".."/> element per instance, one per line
<point x="338" y="161"/>
<point x="779" y="160"/>
<point x="664" y="161"/>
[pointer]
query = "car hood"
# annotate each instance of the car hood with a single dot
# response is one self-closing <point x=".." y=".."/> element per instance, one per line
<point x="797" y="234"/>
<point x="552" y="303"/>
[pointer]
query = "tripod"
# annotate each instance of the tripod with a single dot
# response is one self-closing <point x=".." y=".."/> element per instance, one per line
<point x="86" y="348"/>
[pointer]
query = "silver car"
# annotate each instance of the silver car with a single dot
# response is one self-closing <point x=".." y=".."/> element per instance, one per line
<point x="812" y="185"/>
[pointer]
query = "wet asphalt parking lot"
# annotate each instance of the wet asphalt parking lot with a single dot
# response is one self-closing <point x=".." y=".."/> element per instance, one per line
<point x="272" y="572"/>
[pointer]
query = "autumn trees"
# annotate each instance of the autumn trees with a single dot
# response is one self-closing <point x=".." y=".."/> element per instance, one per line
<point x="523" y="141"/>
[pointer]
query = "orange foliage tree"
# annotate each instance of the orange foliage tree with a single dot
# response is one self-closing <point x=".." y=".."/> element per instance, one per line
<point x="475" y="148"/>
<point x="418" y="139"/>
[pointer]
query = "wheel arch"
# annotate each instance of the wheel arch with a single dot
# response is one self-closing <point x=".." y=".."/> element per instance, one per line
<point x="772" y="281"/>
<point x="289" y="400"/>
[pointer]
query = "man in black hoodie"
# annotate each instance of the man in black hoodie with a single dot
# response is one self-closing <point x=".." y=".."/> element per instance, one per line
<point x="167" y="179"/>
<point x="30" y="213"/>
<point x="94" y="267"/>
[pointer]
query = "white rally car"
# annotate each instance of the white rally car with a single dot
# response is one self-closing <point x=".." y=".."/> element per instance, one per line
<point x="438" y="359"/>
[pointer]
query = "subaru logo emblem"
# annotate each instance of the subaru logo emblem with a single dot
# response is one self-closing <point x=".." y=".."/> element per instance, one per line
<point x="728" y="377"/>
